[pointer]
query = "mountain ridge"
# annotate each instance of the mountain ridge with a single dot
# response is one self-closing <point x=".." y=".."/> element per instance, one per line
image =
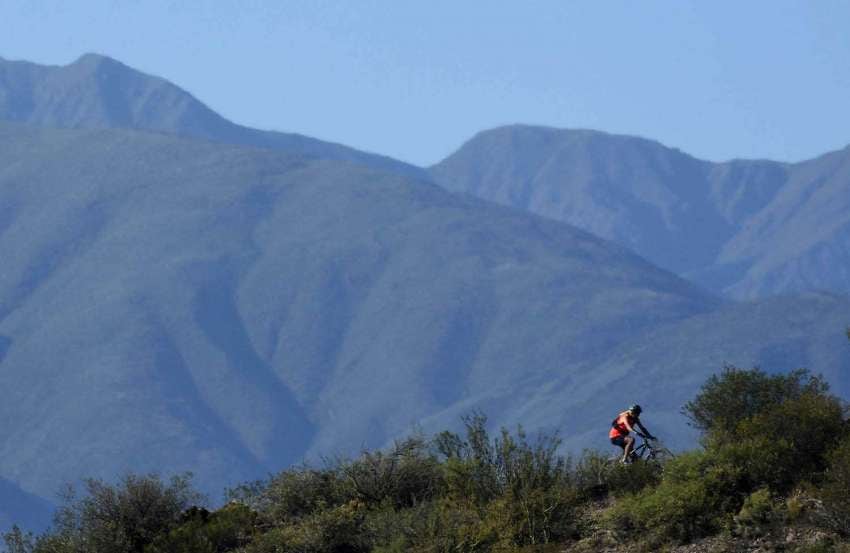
<point x="685" y="214"/>
<point x="252" y="308"/>
<point x="97" y="91"/>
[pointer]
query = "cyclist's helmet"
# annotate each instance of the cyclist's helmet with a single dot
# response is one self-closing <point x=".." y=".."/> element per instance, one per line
<point x="636" y="409"/>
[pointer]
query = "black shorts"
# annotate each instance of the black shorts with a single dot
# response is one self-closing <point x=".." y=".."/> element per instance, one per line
<point x="619" y="441"/>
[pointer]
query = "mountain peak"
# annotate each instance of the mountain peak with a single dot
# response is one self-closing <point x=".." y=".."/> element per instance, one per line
<point x="93" y="57"/>
<point x="96" y="62"/>
<point x="545" y="140"/>
<point x="97" y="91"/>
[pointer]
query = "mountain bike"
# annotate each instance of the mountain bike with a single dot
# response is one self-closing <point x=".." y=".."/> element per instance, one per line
<point x="650" y="450"/>
<point x="646" y="450"/>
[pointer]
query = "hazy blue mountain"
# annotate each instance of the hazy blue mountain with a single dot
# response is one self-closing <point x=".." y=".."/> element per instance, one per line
<point x="744" y="228"/>
<point x="172" y="304"/>
<point x="99" y="92"/>
<point x="801" y="239"/>
<point x="168" y="304"/>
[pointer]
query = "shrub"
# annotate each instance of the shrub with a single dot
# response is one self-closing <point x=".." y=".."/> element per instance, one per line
<point x="693" y="500"/>
<point x="596" y="476"/>
<point x="334" y="530"/>
<point x="203" y="532"/>
<point x="457" y="526"/>
<point x="835" y="491"/>
<point x="297" y="493"/>
<point x="763" y="436"/>
<point x="525" y="489"/>
<point x="737" y="394"/>
<point x="392" y="530"/>
<point x="794" y="437"/>
<point x="760" y="515"/>
<point x="120" y="518"/>
<point x="471" y="464"/>
<point x="405" y="475"/>
<point x="538" y="490"/>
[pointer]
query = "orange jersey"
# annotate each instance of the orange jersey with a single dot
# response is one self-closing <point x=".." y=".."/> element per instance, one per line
<point x="619" y="426"/>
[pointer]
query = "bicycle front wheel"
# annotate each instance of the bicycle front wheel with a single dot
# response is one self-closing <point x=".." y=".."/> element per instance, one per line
<point x="662" y="455"/>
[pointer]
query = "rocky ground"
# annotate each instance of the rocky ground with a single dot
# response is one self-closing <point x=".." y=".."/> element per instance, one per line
<point x="806" y="534"/>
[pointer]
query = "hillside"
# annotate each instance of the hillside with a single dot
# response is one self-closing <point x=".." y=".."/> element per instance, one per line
<point x="747" y="229"/>
<point x="99" y="92"/>
<point x="753" y="484"/>
<point x="174" y="304"/>
<point x="666" y="365"/>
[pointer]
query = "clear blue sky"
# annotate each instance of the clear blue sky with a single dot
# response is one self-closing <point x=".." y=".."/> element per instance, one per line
<point x="718" y="79"/>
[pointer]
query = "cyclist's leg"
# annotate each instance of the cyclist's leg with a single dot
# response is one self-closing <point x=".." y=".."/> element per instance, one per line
<point x="619" y="441"/>
<point x="627" y="449"/>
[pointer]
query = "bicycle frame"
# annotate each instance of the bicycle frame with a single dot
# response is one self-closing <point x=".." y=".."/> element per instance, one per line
<point x="648" y="452"/>
<point x="644" y="450"/>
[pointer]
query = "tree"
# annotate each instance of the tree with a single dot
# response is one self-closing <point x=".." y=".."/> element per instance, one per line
<point x="120" y="518"/>
<point x="201" y="531"/>
<point x="524" y="488"/>
<point x="738" y="394"/>
<point x="405" y="475"/>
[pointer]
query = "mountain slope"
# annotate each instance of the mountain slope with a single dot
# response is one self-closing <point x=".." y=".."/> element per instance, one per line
<point x="801" y="239"/>
<point x="633" y="191"/>
<point x="727" y="226"/>
<point x="169" y="304"/>
<point x="99" y="92"/>
<point x="667" y="366"/>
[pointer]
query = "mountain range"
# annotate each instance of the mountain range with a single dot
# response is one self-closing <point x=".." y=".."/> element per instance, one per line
<point x="744" y="229"/>
<point x="179" y="295"/>
<point x="99" y="92"/>
<point x="192" y="299"/>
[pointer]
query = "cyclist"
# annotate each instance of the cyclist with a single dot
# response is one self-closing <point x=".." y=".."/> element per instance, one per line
<point x="623" y="425"/>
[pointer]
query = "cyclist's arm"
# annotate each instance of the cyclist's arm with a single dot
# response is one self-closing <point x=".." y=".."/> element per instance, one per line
<point x="645" y="431"/>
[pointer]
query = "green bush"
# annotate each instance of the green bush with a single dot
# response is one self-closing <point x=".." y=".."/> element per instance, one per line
<point x="774" y="429"/>
<point x="392" y="530"/>
<point x="597" y="476"/>
<point x="695" y="498"/>
<point x="525" y="489"/>
<point x="795" y="436"/>
<point x="405" y="475"/>
<point x="120" y="518"/>
<point x="472" y="467"/>
<point x="335" y="530"/>
<point x="764" y="435"/>
<point x="835" y="490"/>
<point x="761" y="514"/>
<point x="456" y="526"/>
<point x="202" y="532"/>
<point x="298" y="493"/>
<point x="738" y="394"/>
